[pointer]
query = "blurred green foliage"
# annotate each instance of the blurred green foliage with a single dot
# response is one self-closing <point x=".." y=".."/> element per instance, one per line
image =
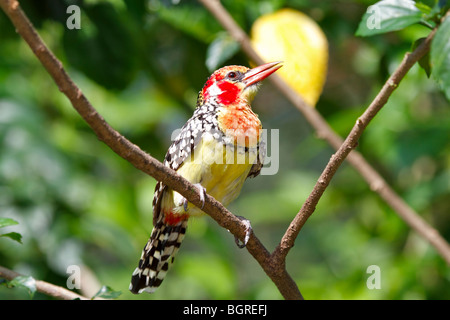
<point x="141" y="64"/>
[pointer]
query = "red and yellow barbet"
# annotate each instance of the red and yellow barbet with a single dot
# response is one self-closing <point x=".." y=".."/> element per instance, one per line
<point x="217" y="150"/>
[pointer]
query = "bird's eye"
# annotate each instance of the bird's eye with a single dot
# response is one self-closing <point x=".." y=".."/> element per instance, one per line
<point x="232" y="75"/>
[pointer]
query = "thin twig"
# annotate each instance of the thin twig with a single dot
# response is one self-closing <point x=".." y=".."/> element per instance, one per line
<point x="324" y="131"/>
<point x="348" y="145"/>
<point x="44" y="287"/>
<point x="138" y="158"/>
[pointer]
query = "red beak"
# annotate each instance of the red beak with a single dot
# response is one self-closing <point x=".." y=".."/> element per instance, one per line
<point x="261" y="72"/>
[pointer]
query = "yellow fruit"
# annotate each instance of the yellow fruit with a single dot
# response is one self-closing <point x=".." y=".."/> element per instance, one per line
<point x="292" y="37"/>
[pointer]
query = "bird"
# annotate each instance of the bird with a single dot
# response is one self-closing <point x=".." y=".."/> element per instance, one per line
<point x="217" y="149"/>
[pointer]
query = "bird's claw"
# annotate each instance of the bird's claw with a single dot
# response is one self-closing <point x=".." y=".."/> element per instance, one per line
<point x="248" y="231"/>
<point x="202" y="192"/>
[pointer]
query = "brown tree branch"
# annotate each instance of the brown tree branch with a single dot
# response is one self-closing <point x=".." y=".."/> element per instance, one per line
<point x="138" y="158"/>
<point x="345" y="149"/>
<point x="351" y="143"/>
<point x="44" y="287"/>
<point x="273" y="265"/>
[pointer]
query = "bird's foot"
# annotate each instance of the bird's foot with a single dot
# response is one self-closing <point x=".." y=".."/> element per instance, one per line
<point x="202" y="192"/>
<point x="248" y="231"/>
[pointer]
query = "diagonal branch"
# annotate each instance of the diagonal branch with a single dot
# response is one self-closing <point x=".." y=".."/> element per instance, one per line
<point x="324" y="131"/>
<point x="44" y="287"/>
<point x="351" y="143"/>
<point x="138" y="158"/>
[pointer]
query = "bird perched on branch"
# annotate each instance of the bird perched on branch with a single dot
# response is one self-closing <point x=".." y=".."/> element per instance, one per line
<point x="217" y="149"/>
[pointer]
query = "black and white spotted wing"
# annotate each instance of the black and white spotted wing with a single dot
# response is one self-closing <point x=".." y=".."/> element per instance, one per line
<point x="203" y="120"/>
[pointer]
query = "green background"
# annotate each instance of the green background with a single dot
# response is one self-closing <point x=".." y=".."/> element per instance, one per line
<point x="141" y="64"/>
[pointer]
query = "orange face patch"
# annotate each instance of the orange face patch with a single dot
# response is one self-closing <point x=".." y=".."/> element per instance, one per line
<point x="242" y="124"/>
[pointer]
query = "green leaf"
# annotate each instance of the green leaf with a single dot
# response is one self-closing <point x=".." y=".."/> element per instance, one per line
<point x="440" y="57"/>
<point x="26" y="282"/>
<point x="5" y="222"/>
<point x="423" y="7"/>
<point x="191" y="19"/>
<point x="388" y="15"/>
<point x="107" y="293"/>
<point x="13" y="235"/>
<point x="221" y="49"/>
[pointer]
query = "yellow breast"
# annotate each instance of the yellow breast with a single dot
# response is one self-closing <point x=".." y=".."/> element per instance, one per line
<point x="220" y="169"/>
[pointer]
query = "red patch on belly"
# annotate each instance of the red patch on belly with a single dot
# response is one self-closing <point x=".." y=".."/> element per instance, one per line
<point x="172" y="219"/>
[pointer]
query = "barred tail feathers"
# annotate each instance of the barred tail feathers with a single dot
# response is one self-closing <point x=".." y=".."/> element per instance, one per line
<point x="158" y="255"/>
